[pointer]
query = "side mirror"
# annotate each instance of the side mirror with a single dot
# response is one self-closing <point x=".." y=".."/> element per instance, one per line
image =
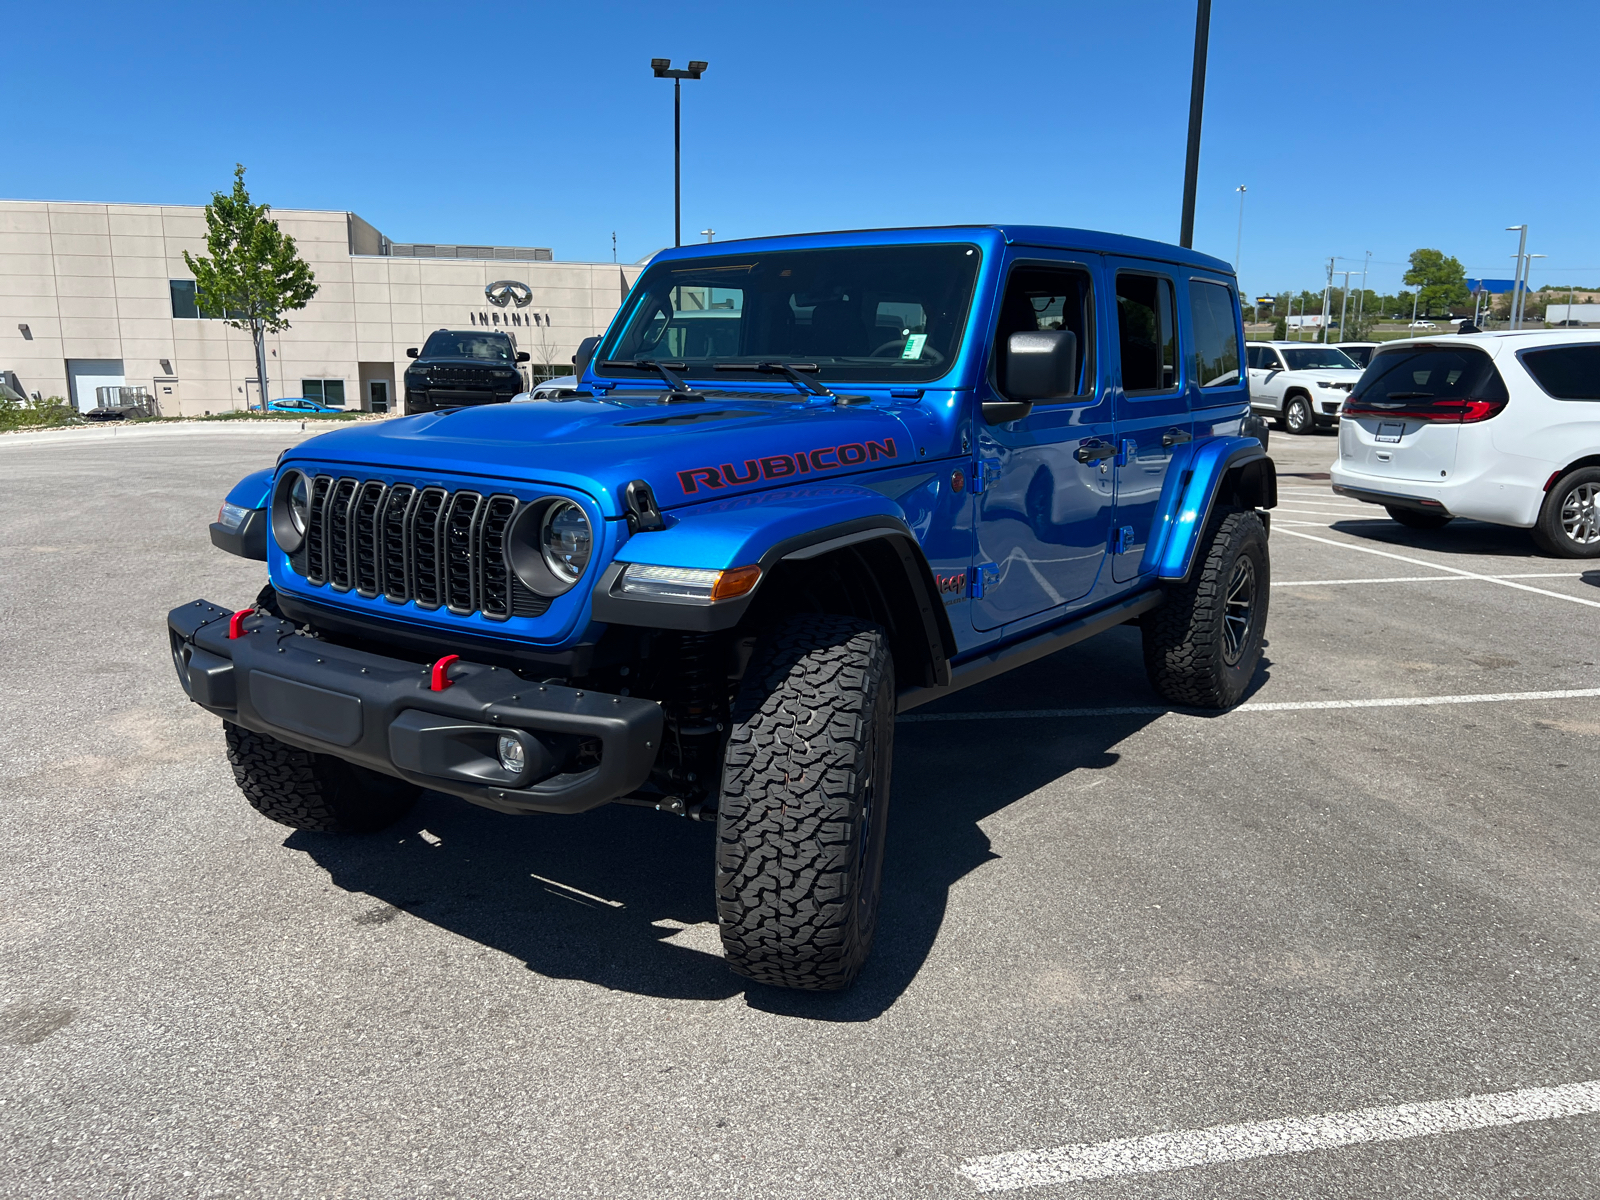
<point x="1040" y="365"/>
<point x="524" y="356"/>
<point x="411" y="353"/>
<point x="580" y="360"/>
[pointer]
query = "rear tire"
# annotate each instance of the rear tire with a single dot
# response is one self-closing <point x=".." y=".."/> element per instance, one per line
<point x="1297" y="417"/>
<point x="302" y="790"/>
<point x="1412" y="519"/>
<point x="1202" y="645"/>
<point x="804" y="804"/>
<point x="1569" y="521"/>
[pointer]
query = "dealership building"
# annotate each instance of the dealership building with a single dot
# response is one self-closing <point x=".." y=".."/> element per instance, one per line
<point x="96" y="297"/>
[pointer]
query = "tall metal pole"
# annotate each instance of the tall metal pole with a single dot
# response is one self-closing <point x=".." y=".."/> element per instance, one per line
<point x="1516" y="285"/>
<point x="1361" y="305"/>
<point x="1197" y="97"/>
<point x="1238" y="245"/>
<point x="677" y="160"/>
<point x="1344" y="305"/>
<point x="1412" y="332"/>
<point x="1326" y="292"/>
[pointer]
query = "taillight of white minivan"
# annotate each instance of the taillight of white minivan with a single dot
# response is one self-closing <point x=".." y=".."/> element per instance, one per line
<point x="1456" y="385"/>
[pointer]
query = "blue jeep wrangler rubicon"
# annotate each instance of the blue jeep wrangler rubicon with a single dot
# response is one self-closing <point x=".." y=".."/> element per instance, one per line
<point x="808" y="483"/>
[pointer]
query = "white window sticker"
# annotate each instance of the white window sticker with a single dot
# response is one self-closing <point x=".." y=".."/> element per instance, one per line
<point x="914" y="345"/>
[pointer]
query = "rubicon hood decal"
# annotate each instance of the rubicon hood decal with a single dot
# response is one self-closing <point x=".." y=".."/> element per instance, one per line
<point x="781" y="466"/>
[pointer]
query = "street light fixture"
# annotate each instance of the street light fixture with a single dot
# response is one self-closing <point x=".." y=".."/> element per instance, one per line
<point x="664" y="69"/>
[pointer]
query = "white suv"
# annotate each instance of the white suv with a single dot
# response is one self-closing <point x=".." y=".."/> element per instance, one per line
<point x="1500" y="427"/>
<point x="1303" y="386"/>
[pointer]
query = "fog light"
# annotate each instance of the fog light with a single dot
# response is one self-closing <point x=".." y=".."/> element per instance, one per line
<point x="512" y="756"/>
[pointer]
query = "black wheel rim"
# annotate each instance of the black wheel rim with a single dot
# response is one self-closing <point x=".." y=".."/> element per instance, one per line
<point x="1238" y="610"/>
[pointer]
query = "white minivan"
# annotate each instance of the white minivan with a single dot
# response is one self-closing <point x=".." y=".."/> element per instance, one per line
<point x="1500" y="427"/>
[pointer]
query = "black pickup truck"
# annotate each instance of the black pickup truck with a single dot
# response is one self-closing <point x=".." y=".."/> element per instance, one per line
<point x="458" y="367"/>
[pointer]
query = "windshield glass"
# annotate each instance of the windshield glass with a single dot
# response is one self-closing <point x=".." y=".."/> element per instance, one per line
<point x="487" y="347"/>
<point x="1429" y="372"/>
<point x="871" y="313"/>
<point x="1307" y="358"/>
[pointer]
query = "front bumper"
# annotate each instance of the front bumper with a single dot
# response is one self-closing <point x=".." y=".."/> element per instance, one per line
<point x="429" y="399"/>
<point x="381" y="713"/>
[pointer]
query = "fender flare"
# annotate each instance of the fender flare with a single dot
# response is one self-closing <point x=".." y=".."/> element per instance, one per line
<point x="1232" y="464"/>
<point x="932" y="620"/>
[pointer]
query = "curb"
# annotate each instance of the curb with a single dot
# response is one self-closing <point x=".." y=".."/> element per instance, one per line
<point x="55" y="437"/>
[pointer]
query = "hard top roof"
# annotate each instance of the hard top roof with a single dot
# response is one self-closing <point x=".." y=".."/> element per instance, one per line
<point x="1048" y="236"/>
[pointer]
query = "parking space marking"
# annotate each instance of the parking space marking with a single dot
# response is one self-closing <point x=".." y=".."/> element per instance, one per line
<point x="1184" y="1148"/>
<point x="1428" y="578"/>
<point x="1153" y="710"/>
<point x="1418" y="562"/>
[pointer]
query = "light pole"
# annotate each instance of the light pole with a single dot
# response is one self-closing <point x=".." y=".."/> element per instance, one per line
<point x="1326" y="292"/>
<point x="664" y="69"/>
<point x="1238" y="245"/>
<point x="1361" y="304"/>
<point x="1527" y="273"/>
<point x="1516" y="285"/>
<point x="710" y="235"/>
<point x="1197" y="99"/>
<point x="1344" y="304"/>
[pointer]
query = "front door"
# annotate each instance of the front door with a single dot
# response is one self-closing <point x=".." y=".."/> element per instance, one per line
<point x="1266" y="376"/>
<point x="1043" y="512"/>
<point x="1152" y="410"/>
<point x="378" y="395"/>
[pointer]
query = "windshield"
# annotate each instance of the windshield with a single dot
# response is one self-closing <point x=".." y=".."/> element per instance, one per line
<point x="1308" y="358"/>
<point x="487" y="347"/>
<point x="1430" y="372"/>
<point x="871" y="313"/>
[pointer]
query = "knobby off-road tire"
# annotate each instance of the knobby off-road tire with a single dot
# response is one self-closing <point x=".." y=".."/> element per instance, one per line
<point x="1202" y="645"/>
<point x="804" y="804"/>
<point x="1569" y="521"/>
<point x="1412" y="519"/>
<point x="303" y="790"/>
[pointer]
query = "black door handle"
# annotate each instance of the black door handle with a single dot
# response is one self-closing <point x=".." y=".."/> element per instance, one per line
<point x="1090" y="451"/>
<point x="1176" y="437"/>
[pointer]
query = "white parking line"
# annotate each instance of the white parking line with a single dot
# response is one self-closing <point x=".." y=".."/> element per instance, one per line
<point x="1268" y="1139"/>
<point x="1152" y="710"/>
<point x="1418" y="562"/>
<point x="1427" y="578"/>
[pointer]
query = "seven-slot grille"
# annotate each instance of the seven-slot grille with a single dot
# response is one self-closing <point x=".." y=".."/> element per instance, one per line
<point x="442" y="375"/>
<point x="436" y="548"/>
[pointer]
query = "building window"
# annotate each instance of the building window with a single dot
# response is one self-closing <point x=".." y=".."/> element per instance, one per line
<point x="183" y="298"/>
<point x="325" y="391"/>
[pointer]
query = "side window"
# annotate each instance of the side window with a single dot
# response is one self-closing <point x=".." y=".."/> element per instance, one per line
<point x="1270" y="359"/>
<point x="1566" y="372"/>
<point x="1216" y="339"/>
<point x="1147" y="333"/>
<point x="1048" y="298"/>
<point x="1252" y="357"/>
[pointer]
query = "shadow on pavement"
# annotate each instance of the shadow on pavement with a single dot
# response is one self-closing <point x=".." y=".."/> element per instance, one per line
<point x="622" y="897"/>
<point x="1460" y="536"/>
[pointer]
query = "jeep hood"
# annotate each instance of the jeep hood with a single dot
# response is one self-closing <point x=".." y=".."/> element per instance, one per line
<point x="687" y="452"/>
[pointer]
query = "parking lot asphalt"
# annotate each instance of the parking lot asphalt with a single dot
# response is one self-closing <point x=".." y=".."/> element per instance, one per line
<point x="1103" y="920"/>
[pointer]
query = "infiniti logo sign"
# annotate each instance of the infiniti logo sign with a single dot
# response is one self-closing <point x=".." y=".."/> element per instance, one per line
<point x="508" y="291"/>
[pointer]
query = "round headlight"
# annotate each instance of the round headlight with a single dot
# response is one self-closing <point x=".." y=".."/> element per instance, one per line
<point x="291" y="510"/>
<point x="299" y="502"/>
<point x="566" y="540"/>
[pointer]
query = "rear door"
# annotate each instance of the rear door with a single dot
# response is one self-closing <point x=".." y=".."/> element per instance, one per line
<point x="1044" y="512"/>
<point x="1151" y="408"/>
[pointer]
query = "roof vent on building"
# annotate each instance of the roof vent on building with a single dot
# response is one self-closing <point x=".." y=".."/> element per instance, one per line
<point x="485" y="253"/>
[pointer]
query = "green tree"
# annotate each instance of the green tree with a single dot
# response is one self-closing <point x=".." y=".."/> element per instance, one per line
<point x="254" y="276"/>
<point x="1442" y="280"/>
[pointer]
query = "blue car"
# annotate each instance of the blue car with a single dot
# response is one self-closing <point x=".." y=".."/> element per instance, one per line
<point x="805" y="483"/>
<point x="301" y="404"/>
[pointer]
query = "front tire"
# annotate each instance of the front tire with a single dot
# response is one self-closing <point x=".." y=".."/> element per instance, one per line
<point x="318" y="792"/>
<point x="1202" y="645"/>
<point x="1412" y="519"/>
<point x="1569" y="521"/>
<point x="1297" y="417"/>
<point x="804" y="804"/>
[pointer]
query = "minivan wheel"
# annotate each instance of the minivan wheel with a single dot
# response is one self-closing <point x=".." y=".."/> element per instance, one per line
<point x="1202" y="645"/>
<point x="1569" y="522"/>
<point x="1297" y="416"/>
<point x="1413" y="518"/>
<point x="804" y="804"/>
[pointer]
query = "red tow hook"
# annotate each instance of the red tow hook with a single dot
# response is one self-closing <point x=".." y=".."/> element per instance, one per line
<point x="236" y="627"/>
<point x="440" y="679"/>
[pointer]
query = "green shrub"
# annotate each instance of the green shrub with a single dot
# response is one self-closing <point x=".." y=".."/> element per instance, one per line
<point x="49" y="413"/>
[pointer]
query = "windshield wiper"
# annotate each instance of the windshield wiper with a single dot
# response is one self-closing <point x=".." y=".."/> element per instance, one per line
<point x="790" y="371"/>
<point x="680" y="389"/>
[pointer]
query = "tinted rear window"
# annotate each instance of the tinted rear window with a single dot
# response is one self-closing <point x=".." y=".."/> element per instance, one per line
<point x="1566" y="372"/>
<point x="1430" y="372"/>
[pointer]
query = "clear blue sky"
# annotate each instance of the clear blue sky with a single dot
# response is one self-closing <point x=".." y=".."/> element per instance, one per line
<point x="1356" y="127"/>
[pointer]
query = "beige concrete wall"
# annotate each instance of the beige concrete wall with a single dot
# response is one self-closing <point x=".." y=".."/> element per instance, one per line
<point x="91" y="282"/>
